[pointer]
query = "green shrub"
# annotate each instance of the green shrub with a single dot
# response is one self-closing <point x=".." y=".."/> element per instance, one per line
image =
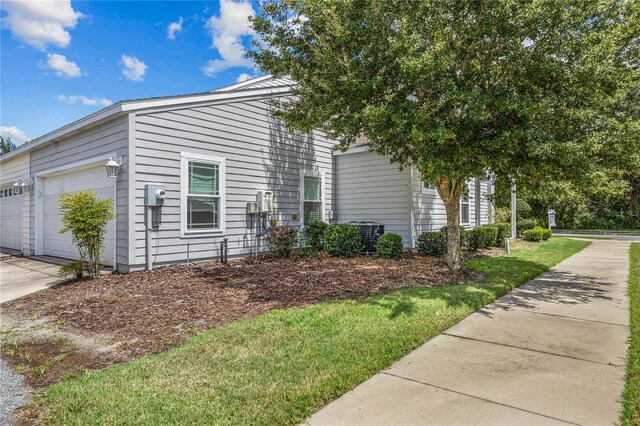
<point x="86" y="216"/>
<point x="281" y="240"/>
<point x="343" y="240"/>
<point x="537" y="234"/>
<point x="464" y="237"/>
<point x="483" y="236"/>
<point x="432" y="243"/>
<point x="313" y="234"/>
<point x="524" y="224"/>
<point x="389" y="246"/>
<point x="75" y="268"/>
<point x="504" y="231"/>
<point x="304" y="253"/>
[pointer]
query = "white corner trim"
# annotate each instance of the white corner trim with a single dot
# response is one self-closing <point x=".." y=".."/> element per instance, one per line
<point x="185" y="157"/>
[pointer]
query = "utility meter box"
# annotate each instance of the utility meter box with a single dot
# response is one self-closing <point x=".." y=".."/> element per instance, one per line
<point x="154" y="195"/>
<point x="252" y="208"/>
<point x="265" y="201"/>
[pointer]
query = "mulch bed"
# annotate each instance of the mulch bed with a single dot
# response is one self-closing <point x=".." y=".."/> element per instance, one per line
<point x="152" y="311"/>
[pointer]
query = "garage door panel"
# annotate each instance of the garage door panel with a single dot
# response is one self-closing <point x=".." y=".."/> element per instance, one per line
<point x="61" y="245"/>
<point x="11" y="222"/>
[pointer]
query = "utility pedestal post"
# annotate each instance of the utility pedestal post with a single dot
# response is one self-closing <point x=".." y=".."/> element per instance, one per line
<point x="514" y="210"/>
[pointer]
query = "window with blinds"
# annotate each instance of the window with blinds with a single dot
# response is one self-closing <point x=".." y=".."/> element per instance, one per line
<point x="312" y="199"/>
<point x="203" y="196"/>
<point x="464" y="206"/>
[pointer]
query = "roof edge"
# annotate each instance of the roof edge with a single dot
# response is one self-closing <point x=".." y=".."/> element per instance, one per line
<point x="141" y="104"/>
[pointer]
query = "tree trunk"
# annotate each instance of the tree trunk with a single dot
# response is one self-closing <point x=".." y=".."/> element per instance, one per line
<point x="450" y="192"/>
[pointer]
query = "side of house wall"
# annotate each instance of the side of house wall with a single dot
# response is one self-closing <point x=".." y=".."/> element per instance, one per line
<point x="429" y="213"/>
<point x="104" y="139"/>
<point x="370" y="188"/>
<point x="260" y="153"/>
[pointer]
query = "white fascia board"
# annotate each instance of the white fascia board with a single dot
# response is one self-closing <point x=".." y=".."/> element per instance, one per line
<point x="207" y="97"/>
<point x="242" y="84"/>
<point x="128" y="106"/>
<point x="355" y="150"/>
<point x="65" y="130"/>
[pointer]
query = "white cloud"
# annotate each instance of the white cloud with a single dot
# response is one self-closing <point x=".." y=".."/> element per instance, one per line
<point x="40" y="23"/>
<point x="174" y="28"/>
<point x="17" y="136"/>
<point x="134" y="69"/>
<point x="227" y="31"/>
<point x="243" y="77"/>
<point x="72" y="99"/>
<point x="62" y="66"/>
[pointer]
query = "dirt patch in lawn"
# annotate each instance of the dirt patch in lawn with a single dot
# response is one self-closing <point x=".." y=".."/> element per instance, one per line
<point x="44" y="361"/>
<point x="148" y="312"/>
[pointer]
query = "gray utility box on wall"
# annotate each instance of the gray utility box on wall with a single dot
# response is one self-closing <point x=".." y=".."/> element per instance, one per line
<point x="154" y="195"/>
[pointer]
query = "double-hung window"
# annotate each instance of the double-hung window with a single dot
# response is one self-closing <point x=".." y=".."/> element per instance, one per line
<point x="428" y="188"/>
<point x="464" y="205"/>
<point x="312" y="193"/>
<point x="202" y="190"/>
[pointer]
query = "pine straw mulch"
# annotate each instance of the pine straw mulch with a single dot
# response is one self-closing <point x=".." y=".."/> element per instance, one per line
<point x="148" y="312"/>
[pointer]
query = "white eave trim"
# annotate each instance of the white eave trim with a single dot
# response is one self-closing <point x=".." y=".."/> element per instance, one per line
<point x="355" y="150"/>
<point x="242" y="84"/>
<point x="128" y="106"/>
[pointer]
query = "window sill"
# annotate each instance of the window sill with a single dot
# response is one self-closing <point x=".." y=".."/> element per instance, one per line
<point x="203" y="233"/>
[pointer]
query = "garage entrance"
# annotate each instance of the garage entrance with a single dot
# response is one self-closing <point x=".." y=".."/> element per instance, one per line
<point x="52" y="187"/>
<point x="11" y="218"/>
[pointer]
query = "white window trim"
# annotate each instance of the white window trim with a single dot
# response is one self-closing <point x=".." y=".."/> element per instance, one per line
<point x="323" y="198"/>
<point x="185" y="158"/>
<point x="468" y="203"/>
<point x="426" y="190"/>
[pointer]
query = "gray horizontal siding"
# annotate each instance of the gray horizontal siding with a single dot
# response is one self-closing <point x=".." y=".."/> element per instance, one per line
<point x="109" y="137"/>
<point x="429" y="213"/>
<point x="370" y="188"/>
<point x="260" y="154"/>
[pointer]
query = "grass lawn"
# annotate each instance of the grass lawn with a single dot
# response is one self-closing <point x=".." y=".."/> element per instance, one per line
<point x="280" y="367"/>
<point x="631" y="412"/>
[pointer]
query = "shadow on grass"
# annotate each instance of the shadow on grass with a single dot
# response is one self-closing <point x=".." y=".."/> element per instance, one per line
<point x="502" y="274"/>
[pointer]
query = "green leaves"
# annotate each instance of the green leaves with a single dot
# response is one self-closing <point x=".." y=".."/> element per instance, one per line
<point x="86" y="217"/>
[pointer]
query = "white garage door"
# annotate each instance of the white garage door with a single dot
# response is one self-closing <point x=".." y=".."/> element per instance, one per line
<point x="11" y="218"/>
<point x="61" y="245"/>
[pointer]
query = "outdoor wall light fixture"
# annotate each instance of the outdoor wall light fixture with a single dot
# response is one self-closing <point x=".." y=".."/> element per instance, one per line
<point x="112" y="166"/>
<point x="25" y="184"/>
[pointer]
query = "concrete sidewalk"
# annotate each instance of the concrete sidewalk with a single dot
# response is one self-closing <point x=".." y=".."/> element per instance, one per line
<point x="550" y="352"/>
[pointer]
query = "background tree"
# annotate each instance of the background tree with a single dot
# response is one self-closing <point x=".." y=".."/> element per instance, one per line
<point x="86" y="217"/>
<point x="6" y="145"/>
<point x="452" y="88"/>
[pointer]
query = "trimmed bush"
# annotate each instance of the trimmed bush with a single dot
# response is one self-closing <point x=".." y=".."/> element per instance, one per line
<point x="482" y="237"/>
<point x="343" y="240"/>
<point x="313" y="234"/>
<point x="389" y="246"/>
<point x="464" y="237"/>
<point x="524" y="224"/>
<point x="432" y="243"/>
<point x="504" y="231"/>
<point x="281" y="240"/>
<point x="537" y="234"/>
<point x="75" y="268"/>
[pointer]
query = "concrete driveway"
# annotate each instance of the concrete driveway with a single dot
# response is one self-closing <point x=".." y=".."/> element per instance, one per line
<point x="20" y="276"/>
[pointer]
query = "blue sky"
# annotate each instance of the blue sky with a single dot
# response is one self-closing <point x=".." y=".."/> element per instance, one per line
<point x="63" y="60"/>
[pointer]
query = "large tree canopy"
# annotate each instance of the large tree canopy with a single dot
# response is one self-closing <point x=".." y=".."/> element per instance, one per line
<point x="452" y="87"/>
